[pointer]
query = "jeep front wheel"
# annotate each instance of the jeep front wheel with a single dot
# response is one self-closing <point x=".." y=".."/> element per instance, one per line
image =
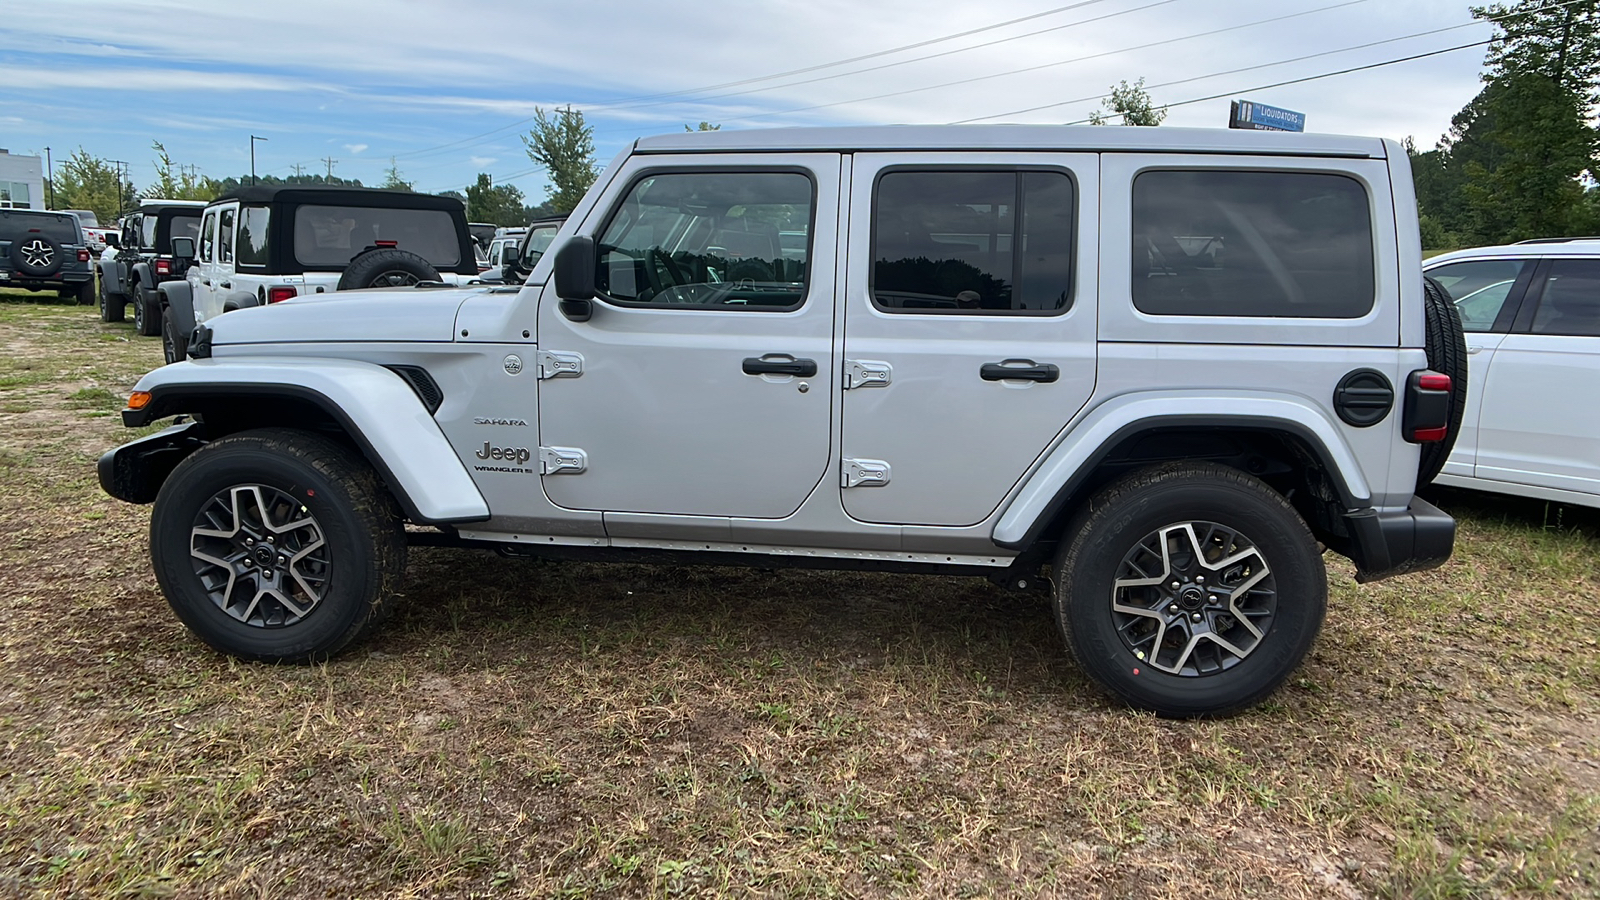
<point x="172" y="346"/>
<point x="111" y="305"/>
<point x="1190" y="589"/>
<point x="277" y="545"/>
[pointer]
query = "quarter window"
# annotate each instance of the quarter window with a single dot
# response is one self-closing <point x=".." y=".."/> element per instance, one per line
<point x="253" y="235"/>
<point x="726" y="239"/>
<point x="208" y="232"/>
<point x="1570" y="302"/>
<point x="225" y="237"/>
<point x="1271" y="244"/>
<point x="147" y="231"/>
<point x="970" y="242"/>
<point x="1479" y="289"/>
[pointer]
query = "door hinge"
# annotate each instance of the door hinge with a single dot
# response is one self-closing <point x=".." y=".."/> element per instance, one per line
<point x="556" y="364"/>
<point x="864" y="473"/>
<point x="863" y="373"/>
<point x="562" y="461"/>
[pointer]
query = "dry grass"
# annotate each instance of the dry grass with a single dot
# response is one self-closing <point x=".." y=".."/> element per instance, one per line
<point x="567" y="730"/>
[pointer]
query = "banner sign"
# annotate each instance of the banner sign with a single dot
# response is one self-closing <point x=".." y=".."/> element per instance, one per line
<point x="1261" y="117"/>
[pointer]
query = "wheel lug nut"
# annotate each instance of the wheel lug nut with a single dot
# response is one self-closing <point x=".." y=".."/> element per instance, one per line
<point x="1215" y="598"/>
<point x="1176" y="585"/>
<point x="249" y="542"/>
<point x="1198" y="579"/>
<point x="1173" y="608"/>
<point x="1195" y="617"/>
<point x="271" y="539"/>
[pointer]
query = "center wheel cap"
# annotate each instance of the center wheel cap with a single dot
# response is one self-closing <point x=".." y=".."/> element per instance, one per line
<point x="1191" y="597"/>
<point x="264" y="557"/>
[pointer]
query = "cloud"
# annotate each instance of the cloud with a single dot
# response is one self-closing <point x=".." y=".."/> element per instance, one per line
<point x="355" y="148"/>
<point x="481" y="161"/>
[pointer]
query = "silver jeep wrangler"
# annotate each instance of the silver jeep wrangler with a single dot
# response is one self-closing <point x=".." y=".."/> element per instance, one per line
<point x="1157" y="371"/>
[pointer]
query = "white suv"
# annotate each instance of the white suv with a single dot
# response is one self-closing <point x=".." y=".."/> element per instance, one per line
<point x="1158" y="370"/>
<point x="1532" y="317"/>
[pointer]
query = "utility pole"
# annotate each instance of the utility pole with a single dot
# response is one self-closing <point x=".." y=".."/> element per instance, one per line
<point x="299" y="170"/>
<point x="330" y="161"/>
<point x="122" y="167"/>
<point x="51" y="184"/>
<point x="253" y="140"/>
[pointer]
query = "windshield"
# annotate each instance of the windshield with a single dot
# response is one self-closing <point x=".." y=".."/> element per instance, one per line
<point x="332" y="235"/>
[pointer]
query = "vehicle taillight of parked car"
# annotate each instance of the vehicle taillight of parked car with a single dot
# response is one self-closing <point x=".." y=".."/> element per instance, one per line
<point x="163" y="267"/>
<point x="83" y="254"/>
<point x="277" y="294"/>
<point x="1427" y="410"/>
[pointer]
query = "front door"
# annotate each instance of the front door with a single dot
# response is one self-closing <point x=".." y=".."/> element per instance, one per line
<point x="201" y="275"/>
<point x="707" y="365"/>
<point x="969" y="327"/>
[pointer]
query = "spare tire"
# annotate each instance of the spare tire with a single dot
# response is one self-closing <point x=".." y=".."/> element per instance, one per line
<point x="1446" y="346"/>
<point x="37" y="255"/>
<point x="385" y="267"/>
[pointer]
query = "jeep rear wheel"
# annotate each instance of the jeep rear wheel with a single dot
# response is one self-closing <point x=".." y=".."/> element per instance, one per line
<point x="85" y="292"/>
<point x="277" y="545"/>
<point x="111" y="306"/>
<point x="1190" y="589"/>
<point x="172" y="347"/>
<point x="146" y="312"/>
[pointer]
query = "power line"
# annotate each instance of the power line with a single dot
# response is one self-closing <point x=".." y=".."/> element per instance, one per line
<point x="1063" y="62"/>
<point x="623" y="103"/>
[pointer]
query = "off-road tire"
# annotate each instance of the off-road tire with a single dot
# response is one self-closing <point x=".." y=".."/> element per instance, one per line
<point x="1102" y="538"/>
<point x="385" y="267"/>
<point x="172" y="346"/>
<point x="355" y="516"/>
<point x="111" y="308"/>
<point x="21" y="256"/>
<point x="146" y="312"/>
<point x="85" y="293"/>
<point x="1446" y="344"/>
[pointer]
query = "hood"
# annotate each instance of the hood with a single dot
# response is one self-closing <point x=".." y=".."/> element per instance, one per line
<point x="376" y="315"/>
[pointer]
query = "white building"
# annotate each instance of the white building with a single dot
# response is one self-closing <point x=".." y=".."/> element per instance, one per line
<point x="21" y="181"/>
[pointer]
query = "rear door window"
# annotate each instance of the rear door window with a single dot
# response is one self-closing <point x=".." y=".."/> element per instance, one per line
<point x="60" y="229"/>
<point x="1570" y="301"/>
<point x="1264" y="243"/>
<point x="973" y="242"/>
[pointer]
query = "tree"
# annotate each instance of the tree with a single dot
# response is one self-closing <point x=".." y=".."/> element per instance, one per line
<point x="89" y="182"/>
<point x="564" y="145"/>
<point x="703" y="126"/>
<point x="180" y="186"/>
<point x="1513" y="163"/>
<point x="393" y="181"/>
<point x="1132" y="103"/>
<point x="501" y="205"/>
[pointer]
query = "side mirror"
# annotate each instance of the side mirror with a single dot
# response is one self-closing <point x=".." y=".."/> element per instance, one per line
<point x="183" y="248"/>
<point x="574" y="269"/>
<point x="510" y="255"/>
<point x="113" y="241"/>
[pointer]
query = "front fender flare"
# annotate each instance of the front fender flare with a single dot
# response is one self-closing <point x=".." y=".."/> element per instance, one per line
<point x="377" y="408"/>
<point x="1075" y="456"/>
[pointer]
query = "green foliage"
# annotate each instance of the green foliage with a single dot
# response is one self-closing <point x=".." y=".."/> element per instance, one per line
<point x="564" y="145"/>
<point x="1132" y="103"/>
<point x="703" y="126"/>
<point x="393" y="181"/>
<point x="180" y="186"/>
<point x="500" y="205"/>
<point x="232" y="183"/>
<point x="89" y="182"/>
<point x="1513" y="163"/>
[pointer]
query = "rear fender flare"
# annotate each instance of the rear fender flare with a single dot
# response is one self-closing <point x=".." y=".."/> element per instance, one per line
<point x="1076" y="455"/>
<point x="378" y="409"/>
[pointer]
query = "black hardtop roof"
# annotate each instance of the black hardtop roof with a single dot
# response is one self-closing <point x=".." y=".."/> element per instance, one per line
<point x="334" y="195"/>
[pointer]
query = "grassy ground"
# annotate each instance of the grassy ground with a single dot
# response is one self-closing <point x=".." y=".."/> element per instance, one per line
<point x="569" y="730"/>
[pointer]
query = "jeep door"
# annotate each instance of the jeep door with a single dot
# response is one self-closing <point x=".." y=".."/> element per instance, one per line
<point x="969" y="327"/>
<point x="201" y="274"/>
<point x="707" y="362"/>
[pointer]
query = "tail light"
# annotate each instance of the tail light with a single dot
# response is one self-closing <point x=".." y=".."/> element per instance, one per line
<point x="1427" y="413"/>
<point x="280" y="293"/>
<point x="83" y="254"/>
<point x="163" y="267"/>
<point x="385" y="243"/>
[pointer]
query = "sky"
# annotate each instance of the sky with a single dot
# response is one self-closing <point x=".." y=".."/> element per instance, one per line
<point x="443" y="90"/>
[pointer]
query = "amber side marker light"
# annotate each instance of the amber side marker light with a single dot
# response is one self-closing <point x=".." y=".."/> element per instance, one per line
<point x="138" y="399"/>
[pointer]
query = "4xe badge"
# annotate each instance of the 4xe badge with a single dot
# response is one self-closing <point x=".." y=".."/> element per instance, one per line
<point x="518" y="455"/>
<point x="513" y="365"/>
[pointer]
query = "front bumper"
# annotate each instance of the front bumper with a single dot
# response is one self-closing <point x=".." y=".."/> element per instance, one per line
<point x="135" y="471"/>
<point x="1386" y="544"/>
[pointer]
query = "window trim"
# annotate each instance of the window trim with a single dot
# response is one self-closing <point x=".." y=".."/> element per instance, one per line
<point x="642" y="174"/>
<point x="1373" y="242"/>
<point x="1016" y="261"/>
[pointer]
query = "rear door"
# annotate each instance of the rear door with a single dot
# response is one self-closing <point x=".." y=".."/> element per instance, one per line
<point x="969" y="337"/>
<point x="202" y="273"/>
<point x="1537" y="425"/>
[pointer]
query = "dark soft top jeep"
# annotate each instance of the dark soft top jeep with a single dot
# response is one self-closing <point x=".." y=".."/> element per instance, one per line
<point x="45" y="251"/>
<point x="142" y="260"/>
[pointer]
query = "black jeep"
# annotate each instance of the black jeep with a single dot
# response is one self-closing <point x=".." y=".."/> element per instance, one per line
<point x="45" y="251"/>
<point x="143" y="259"/>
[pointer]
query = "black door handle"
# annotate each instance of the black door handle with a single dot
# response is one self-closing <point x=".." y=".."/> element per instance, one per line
<point x="1019" y="370"/>
<point x="805" y="368"/>
<point x="226" y="285"/>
